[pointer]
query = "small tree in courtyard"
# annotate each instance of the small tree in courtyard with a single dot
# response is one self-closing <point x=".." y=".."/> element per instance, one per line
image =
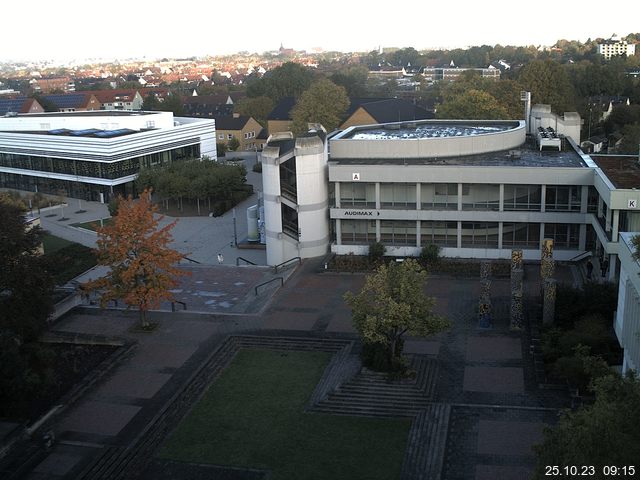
<point x="142" y="266"/>
<point x="392" y="303"/>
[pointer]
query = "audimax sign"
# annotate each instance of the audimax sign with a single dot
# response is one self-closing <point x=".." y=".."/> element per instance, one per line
<point x="361" y="213"/>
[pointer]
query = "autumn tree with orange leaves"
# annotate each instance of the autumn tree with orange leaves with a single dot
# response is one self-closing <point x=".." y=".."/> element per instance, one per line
<point x="142" y="266"/>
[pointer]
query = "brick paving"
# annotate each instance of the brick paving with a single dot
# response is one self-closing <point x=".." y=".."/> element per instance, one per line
<point x="485" y="376"/>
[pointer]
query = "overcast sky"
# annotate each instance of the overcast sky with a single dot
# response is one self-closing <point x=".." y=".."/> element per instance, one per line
<point x="73" y="29"/>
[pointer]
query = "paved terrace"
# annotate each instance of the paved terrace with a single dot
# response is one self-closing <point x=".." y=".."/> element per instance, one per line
<point x="484" y="377"/>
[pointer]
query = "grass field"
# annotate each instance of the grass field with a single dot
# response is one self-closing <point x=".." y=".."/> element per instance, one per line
<point x="93" y="225"/>
<point x="68" y="259"/>
<point x="252" y="416"/>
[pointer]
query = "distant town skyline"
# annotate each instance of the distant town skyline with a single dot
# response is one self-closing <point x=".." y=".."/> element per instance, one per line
<point x="119" y="29"/>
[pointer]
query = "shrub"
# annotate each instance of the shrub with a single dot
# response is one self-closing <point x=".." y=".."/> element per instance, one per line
<point x="376" y="252"/>
<point x="257" y="167"/>
<point x="430" y="254"/>
<point x="221" y="149"/>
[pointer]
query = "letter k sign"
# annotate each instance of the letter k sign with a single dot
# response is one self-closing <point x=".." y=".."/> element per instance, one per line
<point x="632" y="204"/>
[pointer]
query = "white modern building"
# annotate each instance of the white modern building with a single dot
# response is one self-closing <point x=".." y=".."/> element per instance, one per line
<point x="295" y="193"/>
<point x="477" y="189"/>
<point x="94" y="155"/>
<point x="614" y="47"/>
<point x="627" y="318"/>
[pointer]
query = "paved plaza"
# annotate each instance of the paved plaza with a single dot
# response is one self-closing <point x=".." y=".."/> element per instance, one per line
<point x="484" y="375"/>
<point x="497" y="411"/>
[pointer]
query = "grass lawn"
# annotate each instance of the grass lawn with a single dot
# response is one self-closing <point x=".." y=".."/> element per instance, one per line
<point x="252" y="416"/>
<point x="94" y="224"/>
<point x="52" y="244"/>
<point x="68" y="259"/>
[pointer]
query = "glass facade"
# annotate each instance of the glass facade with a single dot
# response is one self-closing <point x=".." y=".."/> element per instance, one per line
<point x="83" y="168"/>
<point x="398" y="195"/>
<point x="439" y="196"/>
<point x="443" y="234"/>
<point x="521" y="235"/>
<point x="522" y="197"/>
<point x="565" y="236"/>
<point x="356" y="194"/>
<point x="480" y="196"/>
<point x="563" y="198"/>
<point x="479" y="235"/>
<point x="358" y="232"/>
<point x="398" y="232"/>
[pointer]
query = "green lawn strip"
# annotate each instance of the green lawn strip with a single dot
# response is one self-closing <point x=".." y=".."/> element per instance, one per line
<point x="68" y="259"/>
<point x="52" y="243"/>
<point x="252" y="416"/>
<point x="93" y="225"/>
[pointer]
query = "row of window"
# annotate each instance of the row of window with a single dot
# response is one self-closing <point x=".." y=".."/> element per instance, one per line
<point x="247" y="135"/>
<point x="444" y="196"/>
<point x="445" y="234"/>
<point x="84" y="168"/>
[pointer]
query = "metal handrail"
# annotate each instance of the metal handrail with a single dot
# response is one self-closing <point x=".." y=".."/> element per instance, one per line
<point x="581" y="256"/>
<point x="244" y="260"/>
<point x="286" y="262"/>
<point x="267" y="282"/>
<point x="191" y="260"/>
<point x="173" y="305"/>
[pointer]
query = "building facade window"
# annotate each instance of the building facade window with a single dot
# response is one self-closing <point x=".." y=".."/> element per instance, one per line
<point x="479" y="235"/>
<point x="398" y="232"/>
<point x="358" y="232"/>
<point x="563" y="198"/>
<point x="439" y="196"/>
<point x="565" y="236"/>
<point x="521" y="235"/>
<point x="476" y="196"/>
<point x="443" y="234"/>
<point x="522" y="197"/>
<point x="398" y="195"/>
<point x="357" y="194"/>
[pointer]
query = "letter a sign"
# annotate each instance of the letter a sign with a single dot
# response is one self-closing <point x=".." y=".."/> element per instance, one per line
<point x="355" y="177"/>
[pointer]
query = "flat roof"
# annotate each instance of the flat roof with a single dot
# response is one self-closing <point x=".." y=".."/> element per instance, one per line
<point x="622" y="170"/>
<point x="527" y="155"/>
<point x="91" y="113"/>
<point x="428" y="130"/>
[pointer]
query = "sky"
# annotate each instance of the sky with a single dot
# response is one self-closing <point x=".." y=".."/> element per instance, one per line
<point x="43" y="29"/>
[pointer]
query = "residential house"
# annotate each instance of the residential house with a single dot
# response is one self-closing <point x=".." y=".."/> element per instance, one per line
<point x="241" y="127"/>
<point x="123" y="99"/>
<point x="19" y="105"/>
<point x="74" y="102"/>
<point x="368" y="111"/>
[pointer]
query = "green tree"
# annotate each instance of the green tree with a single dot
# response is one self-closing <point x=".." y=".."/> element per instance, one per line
<point x="256" y="107"/>
<point x="392" y="303"/>
<point x="173" y="103"/>
<point x="324" y="102"/>
<point x="151" y="103"/>
<point x="472" y="105"/>
<point x="549" y="83"/>
<point x="233" y="144"/>
<point x="26" y="288"/>
<point x="631" y="139"/>
<point x="26" y="285"/>
<point x="288" y="80"/>
<point x="353" y="79"/>
<point x="601" y="434"/>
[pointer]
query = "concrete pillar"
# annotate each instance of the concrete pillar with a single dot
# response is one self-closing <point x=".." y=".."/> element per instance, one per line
<point x="418" y="196"/>
<point x="549" y="301"/>
<point x="582" y="237"/>
<point x="543" y="198"/>
<point x="547" y="265"/>
<point x="500" y="229"/>
<point x="459" y="197"/>
<point x="377" y="195"/>
<point x="584" y="199"/>
<point x="336" y="193"/>
<point x="378" y="236"/>
<point x="501" y="202"/>
<point x="608" y="220"/>
<point x="418" y="236"/>
<point x="615" y="224"/>
<point x="338" y="232"/>
<point x="459" y="239"/>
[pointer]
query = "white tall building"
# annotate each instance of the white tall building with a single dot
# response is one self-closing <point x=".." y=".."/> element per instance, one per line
<point x="615" y="47"/>
<point x="94" y="155"/>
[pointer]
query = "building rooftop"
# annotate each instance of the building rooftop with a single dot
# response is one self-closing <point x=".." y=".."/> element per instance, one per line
<point x="622" y="170"/>
<point x="527" y="155"/>
<point x="429" y="130"/>
<point x="90" y="113"/>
